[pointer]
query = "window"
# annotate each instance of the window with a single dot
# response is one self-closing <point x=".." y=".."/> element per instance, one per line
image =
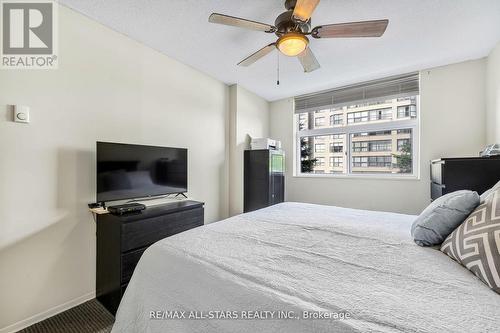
<point x="319" y="147"/>
<point x="336" y="119"/>
<point x="377" y="136"/>
<point x="360" y="162"/>
<point x="384" y="145"/>
<point x="313" y="162"/>
<point x="366" y="116"/>
<point x="319" y="121"/>
<point x="360" y="146"/>
<point x="380" y="133"/>
<point x="377" y="156"/>
<point x="336" y="147"/>
<point x="407" y="111"/>
<point x="371" y="161"/>
<point x="365" y="146"/>
<point x="336" y="161"/>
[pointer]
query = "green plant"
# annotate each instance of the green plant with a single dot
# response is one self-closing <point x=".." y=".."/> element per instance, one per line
<point x="306" y="161"/>
<point x="404" y="160"/>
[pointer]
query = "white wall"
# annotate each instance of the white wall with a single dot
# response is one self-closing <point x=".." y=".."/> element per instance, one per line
<point x="493" y="95"/>
<point x="453" y="117"/>
<point x="249" y="117"/>
<point x="108" y="88"/>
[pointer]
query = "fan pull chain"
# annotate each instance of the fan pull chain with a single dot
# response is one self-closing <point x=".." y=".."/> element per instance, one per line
<point x="278" y="70"/>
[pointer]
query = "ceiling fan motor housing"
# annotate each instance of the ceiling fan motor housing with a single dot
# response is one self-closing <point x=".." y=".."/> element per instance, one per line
<point x="285" y="23"/>
<point x="290" y="4"/>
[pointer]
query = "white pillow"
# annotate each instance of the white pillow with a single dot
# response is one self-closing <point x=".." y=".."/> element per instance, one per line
<point x="485" y="195"/>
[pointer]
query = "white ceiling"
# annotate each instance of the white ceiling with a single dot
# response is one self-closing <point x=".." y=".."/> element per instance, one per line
<point x="421" y="34"/>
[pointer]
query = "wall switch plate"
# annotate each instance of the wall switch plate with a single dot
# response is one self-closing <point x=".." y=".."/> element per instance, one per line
<point x="21" y="114"/>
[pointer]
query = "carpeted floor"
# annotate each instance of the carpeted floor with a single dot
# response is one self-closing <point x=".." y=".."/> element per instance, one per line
<point x="89" y="317"/>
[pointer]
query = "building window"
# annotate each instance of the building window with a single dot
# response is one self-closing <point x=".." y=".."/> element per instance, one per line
<point x="379" y="133"/>
<point x="371" y="162"/>
<point x="336" y="119"/>
<point x="336" y="147"/>
<point x="319" y="147"/>
<point x="407" y="111"/>
<point x="336" y="161"/>
<point x="319" y="121"/>
<point x="367" y="116"/>
<point x="376" y="136"/>
<point x="360" y="146"/>
<point x="360" y="162"/>
<point x="377" y="156"/>
<point x="365" y="146"/>
<point x="384" y="145"/>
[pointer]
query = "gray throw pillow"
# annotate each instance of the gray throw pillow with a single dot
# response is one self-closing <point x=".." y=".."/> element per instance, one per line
<point x="476" y="243"/>
<point x="443" y="216"/>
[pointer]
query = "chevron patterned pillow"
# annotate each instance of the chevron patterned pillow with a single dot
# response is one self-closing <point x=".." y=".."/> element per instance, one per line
<point x="476" y="242"/>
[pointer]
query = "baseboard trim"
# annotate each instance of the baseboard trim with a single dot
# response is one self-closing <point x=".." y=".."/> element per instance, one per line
<point x="47" y="314"/>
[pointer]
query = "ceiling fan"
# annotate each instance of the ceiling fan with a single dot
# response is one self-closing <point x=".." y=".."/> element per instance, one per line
<point x="292" y="28"/>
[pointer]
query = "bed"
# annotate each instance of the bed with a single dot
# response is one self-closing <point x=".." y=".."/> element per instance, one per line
<point x="273" y="269"/>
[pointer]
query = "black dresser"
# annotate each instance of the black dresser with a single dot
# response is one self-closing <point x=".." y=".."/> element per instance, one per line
<point x="264" y="178"/>
<point x="121" y="241"/>
<point x="468" y="173"/>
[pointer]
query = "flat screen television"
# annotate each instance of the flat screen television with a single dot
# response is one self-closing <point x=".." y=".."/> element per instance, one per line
<point x="126" y="171"/>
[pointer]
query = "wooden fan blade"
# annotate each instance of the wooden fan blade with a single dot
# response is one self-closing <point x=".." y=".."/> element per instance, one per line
<point x="240" y="22"/>
<point x="308" y="60"/>
<point x="352" y="29"/>
<point x="257" y="55"/>
<point x="303" y="9"/>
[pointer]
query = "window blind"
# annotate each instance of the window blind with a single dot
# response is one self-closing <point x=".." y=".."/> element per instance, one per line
<point x="396" y="86"/>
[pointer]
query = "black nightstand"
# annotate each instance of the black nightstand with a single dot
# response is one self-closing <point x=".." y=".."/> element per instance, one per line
<point x="467" y="173"/>
<point x="121" y="241"/>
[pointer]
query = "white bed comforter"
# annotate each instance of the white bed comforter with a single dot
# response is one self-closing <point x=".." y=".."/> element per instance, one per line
<point x="298" y="257"/>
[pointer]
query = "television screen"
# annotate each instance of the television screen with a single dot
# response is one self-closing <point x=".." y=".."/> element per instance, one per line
<point x="127" y="171"/>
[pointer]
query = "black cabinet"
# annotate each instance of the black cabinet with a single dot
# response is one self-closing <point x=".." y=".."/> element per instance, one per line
<point x="121" y="241"/>
<point x="468" y="173"/>
<point x="264" y="178"/>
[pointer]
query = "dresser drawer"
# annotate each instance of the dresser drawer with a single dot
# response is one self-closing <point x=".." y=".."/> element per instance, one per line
<point x="437" y="190"/>
<point x="148" y="231"/>
<point x="129" y="261"/>
<point x="122" y="240"/>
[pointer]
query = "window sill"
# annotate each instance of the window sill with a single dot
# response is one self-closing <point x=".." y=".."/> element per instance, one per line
<point x="360" y="177"/>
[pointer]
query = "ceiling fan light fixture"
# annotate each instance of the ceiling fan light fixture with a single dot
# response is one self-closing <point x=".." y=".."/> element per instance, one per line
<point x="292" y="44"/>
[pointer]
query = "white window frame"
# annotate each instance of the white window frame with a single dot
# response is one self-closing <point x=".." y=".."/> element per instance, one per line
<point x="348" y="130"/>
